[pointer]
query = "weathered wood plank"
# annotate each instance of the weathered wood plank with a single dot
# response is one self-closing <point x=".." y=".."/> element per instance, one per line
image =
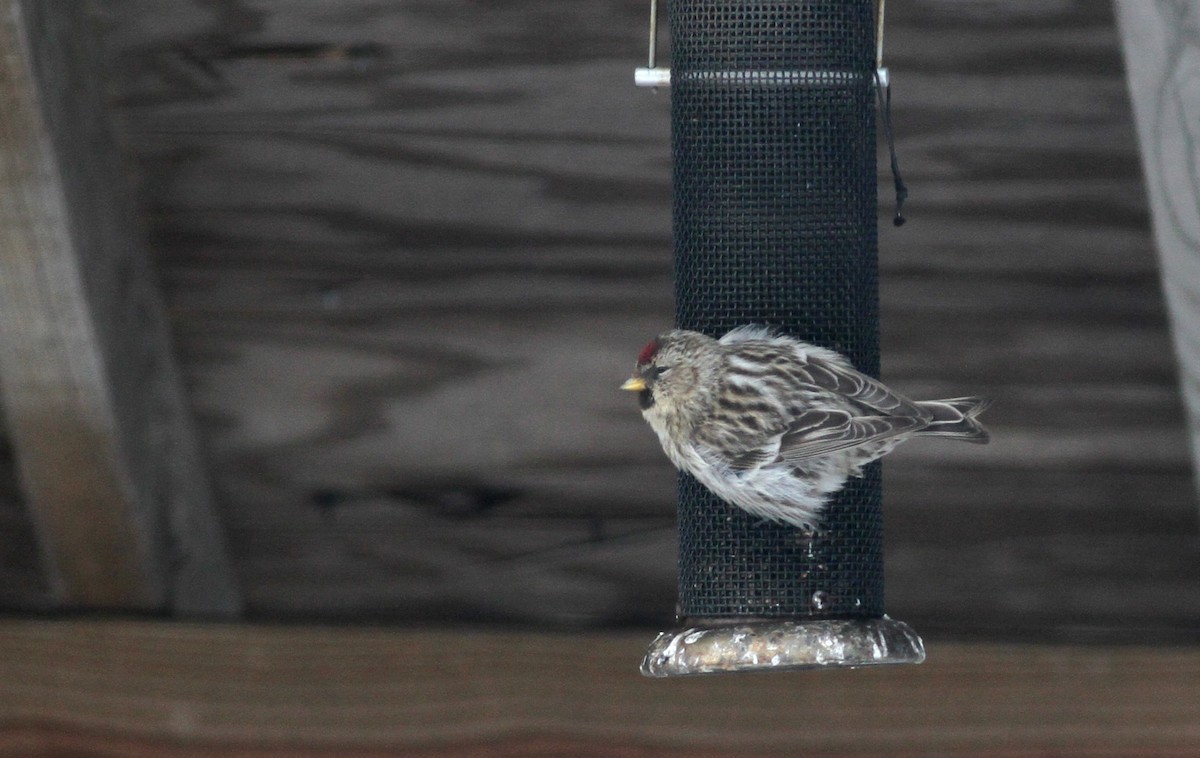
<point x="107" y="455"/>
<point x="410" y="248"/>
<point x="1162" y="53"/>
<point x="139" y="688"/>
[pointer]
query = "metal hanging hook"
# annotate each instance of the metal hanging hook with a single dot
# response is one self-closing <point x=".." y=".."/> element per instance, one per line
<point x="652" y="75"/>
<point x="881" y="72"/>
<point x="653" y="33"/>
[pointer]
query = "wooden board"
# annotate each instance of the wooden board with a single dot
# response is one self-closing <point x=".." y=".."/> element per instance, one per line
<point x="139" y="689"/>
<point x="1163" y="66"/>
<point x="410" y="249"/>
<point x="118" y="501"/>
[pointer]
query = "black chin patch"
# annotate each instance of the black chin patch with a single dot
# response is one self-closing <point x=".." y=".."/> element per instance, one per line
<point x="645" y="398"/>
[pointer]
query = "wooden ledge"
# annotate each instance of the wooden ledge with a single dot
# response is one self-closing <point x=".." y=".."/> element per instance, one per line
<point x="145" y="688"/>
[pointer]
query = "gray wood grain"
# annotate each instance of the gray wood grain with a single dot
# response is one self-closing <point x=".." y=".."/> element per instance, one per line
<point x="117" y="499"/>
<point x="410" y="250"/>
<point x="1161" y="41"/>
<point x="133" y="688"/>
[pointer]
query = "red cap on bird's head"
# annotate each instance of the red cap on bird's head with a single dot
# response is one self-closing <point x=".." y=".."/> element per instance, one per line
<point x="648" y="352"/>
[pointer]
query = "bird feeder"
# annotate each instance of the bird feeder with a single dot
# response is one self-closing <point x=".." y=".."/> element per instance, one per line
<point x="774" y="212"/>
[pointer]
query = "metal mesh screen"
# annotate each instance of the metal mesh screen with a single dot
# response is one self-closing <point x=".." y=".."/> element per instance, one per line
<point x="775" y="223"/>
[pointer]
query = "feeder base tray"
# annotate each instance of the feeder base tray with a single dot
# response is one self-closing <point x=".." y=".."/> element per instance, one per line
<point x="720" y="646"/>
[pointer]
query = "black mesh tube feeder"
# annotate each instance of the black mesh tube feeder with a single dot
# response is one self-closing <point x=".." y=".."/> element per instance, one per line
<point x="773" y="141"/>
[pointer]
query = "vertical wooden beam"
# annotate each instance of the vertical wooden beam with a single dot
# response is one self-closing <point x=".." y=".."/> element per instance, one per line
<point x="109" y="460"/>
<point x="1161" y="39"/>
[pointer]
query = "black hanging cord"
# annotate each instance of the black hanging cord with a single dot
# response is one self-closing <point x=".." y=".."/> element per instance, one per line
<point x="884" y="92"/>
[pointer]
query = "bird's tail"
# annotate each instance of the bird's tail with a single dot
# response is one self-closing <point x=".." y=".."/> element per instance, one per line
<point x="956" y="417"/>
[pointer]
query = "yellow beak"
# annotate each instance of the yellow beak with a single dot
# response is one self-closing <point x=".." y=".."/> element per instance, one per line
<point x="634" y="384"/>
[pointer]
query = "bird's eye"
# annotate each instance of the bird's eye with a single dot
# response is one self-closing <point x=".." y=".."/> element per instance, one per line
<point x="660" y="370"/>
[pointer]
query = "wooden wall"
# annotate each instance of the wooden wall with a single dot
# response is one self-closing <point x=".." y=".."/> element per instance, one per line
<point x="1162" y="55"/>
<point x="116" y="496"/>
<point x="410" y="249"/>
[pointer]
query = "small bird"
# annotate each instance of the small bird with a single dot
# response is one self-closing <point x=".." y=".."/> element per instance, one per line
<point x="775" y="425"/>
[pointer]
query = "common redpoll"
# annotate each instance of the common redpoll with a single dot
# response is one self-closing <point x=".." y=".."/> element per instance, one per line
<point x="775" y="425"/>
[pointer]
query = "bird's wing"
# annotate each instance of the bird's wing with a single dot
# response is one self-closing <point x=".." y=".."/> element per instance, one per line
<point x="752" y="458"/>
<point x="830" y="371"/>
<point x="820" y="432"/>
<point x="864" y="410"/>
<point x="833" y="373"/>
